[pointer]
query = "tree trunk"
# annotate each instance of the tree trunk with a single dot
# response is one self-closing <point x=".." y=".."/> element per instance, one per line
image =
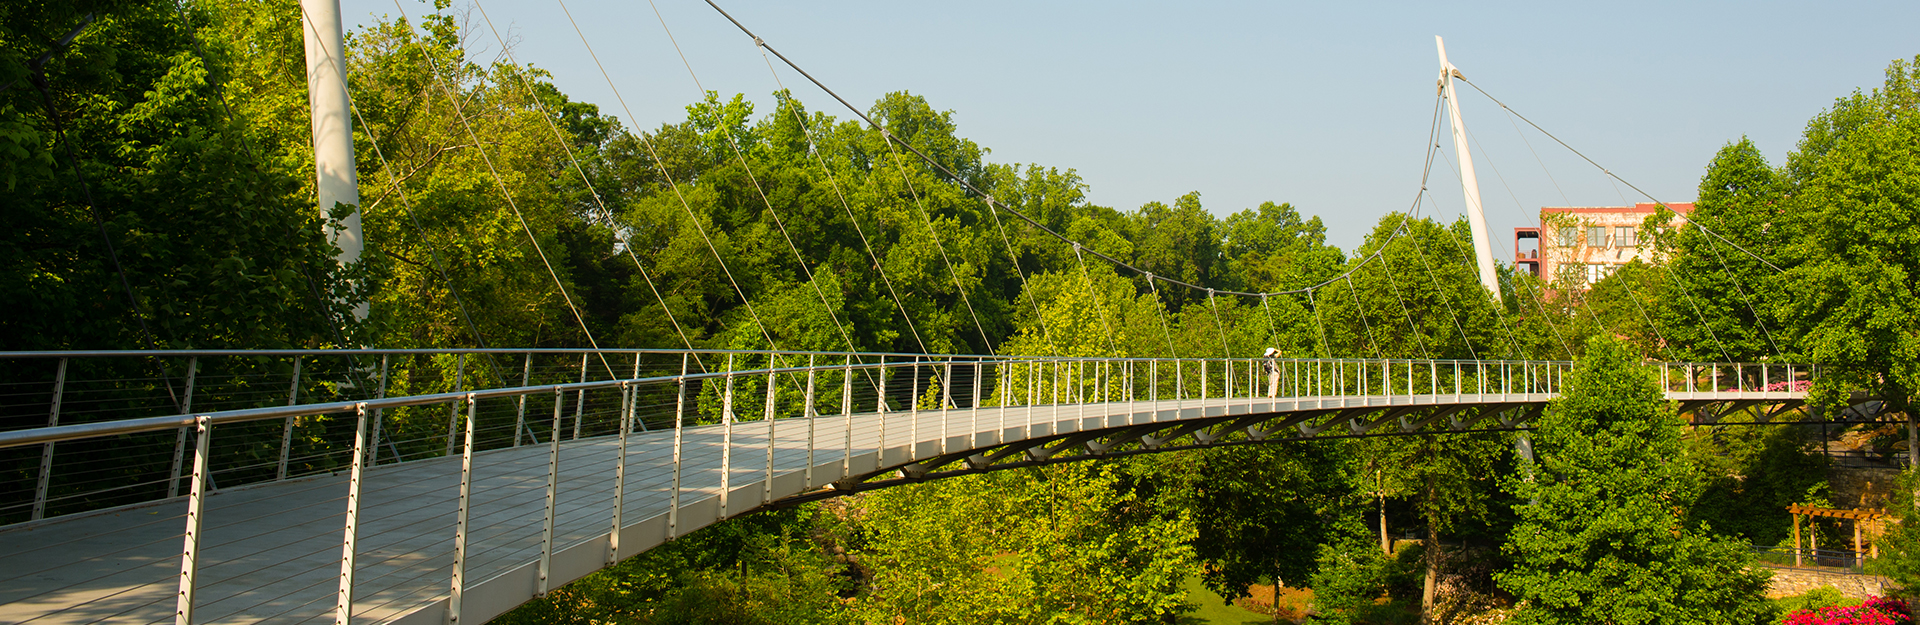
<point x="1433" y="574"/>
<point x="1386" y="543"/>
<point x="1433" y="560"/>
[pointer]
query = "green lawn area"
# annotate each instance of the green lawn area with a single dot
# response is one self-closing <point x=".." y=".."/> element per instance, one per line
<point x="1213" y="611"/>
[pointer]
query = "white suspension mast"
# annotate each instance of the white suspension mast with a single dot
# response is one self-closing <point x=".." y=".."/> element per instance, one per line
<point x="1476" y="214"/>
<point x="337" y="181"/>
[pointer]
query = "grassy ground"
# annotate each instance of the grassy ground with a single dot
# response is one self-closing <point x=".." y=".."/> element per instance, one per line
<point x="1213" y="611"/>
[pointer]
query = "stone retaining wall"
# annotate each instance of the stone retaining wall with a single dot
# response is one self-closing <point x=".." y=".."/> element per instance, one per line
<point x="1789" y="582"/>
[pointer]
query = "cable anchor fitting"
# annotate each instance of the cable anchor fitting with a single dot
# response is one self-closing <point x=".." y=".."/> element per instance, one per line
<point x="758" y="43"/>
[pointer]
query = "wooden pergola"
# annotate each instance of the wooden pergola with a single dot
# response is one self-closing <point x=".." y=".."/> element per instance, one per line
<point x="1875" y="516"/>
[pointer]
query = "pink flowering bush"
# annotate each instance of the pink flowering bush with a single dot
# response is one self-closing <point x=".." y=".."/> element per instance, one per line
<point x="1876" y="611"/>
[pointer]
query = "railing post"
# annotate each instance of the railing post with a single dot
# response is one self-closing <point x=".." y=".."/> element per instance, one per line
<point x="520" y="412"/>
<point x="580" y="399"/>
<point x="453" y="410"/>
<point x="913" y="437"/>
<point x="627" y="393"/>
<point x="979" y="367"/>
<point x="553" y="490"/>
<point x="679" y="421"/>
<point x="726" y="441"/>
<point x="846" y="416"/>
<point x="459" y="589"/>
<point x="286" y="430"/>
<point x="773" y="384"/>
<point x="45" y="479"/>
<point x="196" y="512"/>
<point x="180" y="438"/>
<point x="946" y="401"/>
<point x="807" y="410"/>
<point x="373" y="437"/>
<point x="343" y="600"/>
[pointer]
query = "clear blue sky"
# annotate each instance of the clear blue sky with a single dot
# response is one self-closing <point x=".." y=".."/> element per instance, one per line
<point x="1325" y="105"/>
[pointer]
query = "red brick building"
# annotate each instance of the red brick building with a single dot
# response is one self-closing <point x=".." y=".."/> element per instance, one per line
<point x="1579" y="245"/>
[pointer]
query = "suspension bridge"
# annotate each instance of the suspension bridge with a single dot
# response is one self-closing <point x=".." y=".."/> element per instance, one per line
<point x="531" y="486"/>
<point x="319" y="485"/>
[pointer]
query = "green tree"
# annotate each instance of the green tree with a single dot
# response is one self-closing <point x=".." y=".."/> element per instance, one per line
<point x="1851" y="268"/>
<point x="1603" y="537"/>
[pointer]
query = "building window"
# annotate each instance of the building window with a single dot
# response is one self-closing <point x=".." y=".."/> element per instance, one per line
<point x="1596" y="236"/>
<point x="1571" y="272"/>
<point x="1626" y="236"/>
<point x="1569" y="236"/>
<point x="1597" y="272"/>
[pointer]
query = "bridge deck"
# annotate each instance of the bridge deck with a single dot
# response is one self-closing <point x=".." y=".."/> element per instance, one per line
<point x="271" y="552"/>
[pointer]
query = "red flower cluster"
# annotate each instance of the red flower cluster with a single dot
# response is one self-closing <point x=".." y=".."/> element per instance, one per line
<point x="1876" y="611"/>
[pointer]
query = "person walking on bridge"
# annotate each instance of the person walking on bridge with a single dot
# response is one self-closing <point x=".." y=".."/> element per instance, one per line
<point x="1273" y="372"/>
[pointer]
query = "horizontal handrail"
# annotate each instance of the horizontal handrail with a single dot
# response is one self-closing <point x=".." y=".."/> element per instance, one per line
<point x="61" y="433"/>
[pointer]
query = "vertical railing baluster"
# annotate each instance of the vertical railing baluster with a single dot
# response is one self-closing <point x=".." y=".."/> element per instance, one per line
<point x="726" y="441"/>
<point x="453" y="410"/>
<point x="373" y="440"/>
<point x="350" y="539"/>
<point x="773" y="383"/>
<point x="846" y="416"/>
<point x="286" y="429"/>
<point x="679" y="420"/>
<point x="580" y="399"/>
<point x="946" y="401"/>
<point x="807" y="410"/>
<point x="913" y="438"/>
<point x="45" y="478"/>
<point x="180" y="437"/>
<point x="553" y="490"/>
<point x="520" y="411"/>
<point x="196" y="513"/>
<point x="627" y="393"/>
<point x="459" y="589"/>
<point x="880" y="409"/>
<point x="973" y="431"/>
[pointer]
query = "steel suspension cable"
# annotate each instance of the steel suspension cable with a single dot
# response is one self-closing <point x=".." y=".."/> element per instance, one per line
<point x="1361" y="309"/>
<point x="976" y="190"/>
<point x="762" y="192"/>
<point x="459" y="111"/>
<point x="1609" y="173"/>
<point x="1087" y="278"/>
<point x="1386" y="269"/>
<point x="1024" y="286"/>
<point x="935" y="235"/>
<point x="1225" y="352"/>
<point x="561" y="139"/>
<point x="667" y="174"/>
<point x="742" y="156"/>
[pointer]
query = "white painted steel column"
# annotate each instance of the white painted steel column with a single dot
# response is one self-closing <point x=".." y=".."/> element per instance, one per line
<point x="1476" y="213"/>
<point x="332" y="116"/>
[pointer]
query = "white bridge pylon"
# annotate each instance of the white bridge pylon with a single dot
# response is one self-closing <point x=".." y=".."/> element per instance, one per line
<point x="582" y="475"/>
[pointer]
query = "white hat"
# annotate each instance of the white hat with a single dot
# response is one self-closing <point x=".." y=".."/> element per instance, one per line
<point x="1272" y="352"/>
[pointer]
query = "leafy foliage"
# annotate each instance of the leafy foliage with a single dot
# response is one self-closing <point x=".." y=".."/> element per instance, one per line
<point x="1602" y="539"/>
